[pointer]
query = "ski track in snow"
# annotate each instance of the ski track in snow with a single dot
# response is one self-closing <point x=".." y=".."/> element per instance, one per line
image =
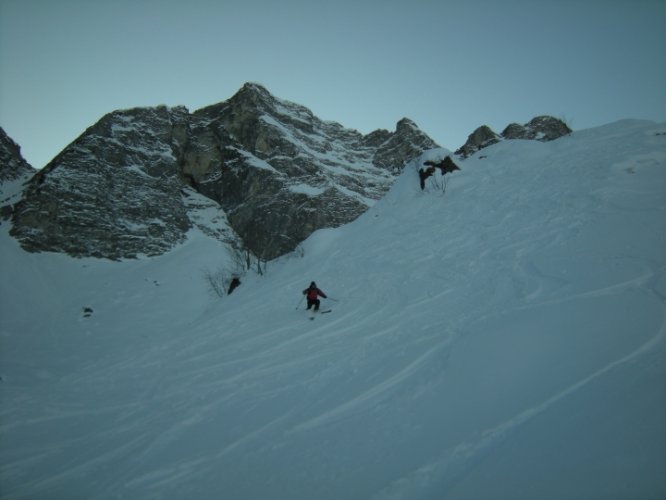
<point x="460" y="319"/>
<point x="360" y="402"/>
<point x="453" y="464"/>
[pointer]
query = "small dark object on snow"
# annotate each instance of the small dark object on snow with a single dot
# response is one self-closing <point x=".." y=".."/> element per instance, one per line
<point x="234" y="283"/>
<point x="424" y="174"/>
<point x="446" y="166"/>
<point x="87" y="312"/>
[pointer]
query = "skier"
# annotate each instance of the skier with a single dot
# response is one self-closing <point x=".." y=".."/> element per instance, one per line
<point x="312" y="293"/>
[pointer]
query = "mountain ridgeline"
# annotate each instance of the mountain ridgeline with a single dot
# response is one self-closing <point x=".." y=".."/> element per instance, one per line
<point x="136" y="181"/>
<point x="14" y="172"/>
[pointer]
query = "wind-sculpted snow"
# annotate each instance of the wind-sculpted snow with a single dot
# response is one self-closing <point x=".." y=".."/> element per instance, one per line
<point x="501" y="338"/>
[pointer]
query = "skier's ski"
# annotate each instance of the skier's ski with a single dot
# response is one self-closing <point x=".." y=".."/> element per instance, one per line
<point x="313" y="316"/>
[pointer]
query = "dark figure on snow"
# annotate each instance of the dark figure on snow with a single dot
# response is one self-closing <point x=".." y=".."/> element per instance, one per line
<point x="446" y="166"/>
<point x="234" y="283"/>
<point x="313" y="293"/>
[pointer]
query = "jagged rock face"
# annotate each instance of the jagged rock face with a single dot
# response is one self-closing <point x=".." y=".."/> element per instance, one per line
<point x="280" y="172"/>
<point x="515" y="131"/>
<point x="407" y="142"/>
<point x="14" y="171"/>
<point x="12" y="164"/>
<point x="481" y="138"/>
<point x="114" y="193"/>
<point x="541" y="128"/>
<point x="277" y="171"/>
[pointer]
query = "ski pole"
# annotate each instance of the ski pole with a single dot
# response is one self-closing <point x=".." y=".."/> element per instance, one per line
<point x="299" y="302"/>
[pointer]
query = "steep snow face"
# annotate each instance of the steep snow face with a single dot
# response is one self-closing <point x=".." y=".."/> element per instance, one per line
<point x="498" y="335"/>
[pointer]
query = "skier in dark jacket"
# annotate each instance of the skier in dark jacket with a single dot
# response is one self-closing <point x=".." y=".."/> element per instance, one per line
<point x="312" y="293"/>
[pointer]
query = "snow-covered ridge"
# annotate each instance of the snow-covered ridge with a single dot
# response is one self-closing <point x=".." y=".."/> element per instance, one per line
<point x="504" y="338"/>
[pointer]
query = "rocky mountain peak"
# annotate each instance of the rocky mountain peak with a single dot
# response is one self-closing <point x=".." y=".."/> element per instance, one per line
<point x="304" y="173"/>
<point x="405" y="125"/>
<point x="251" y="97"/>
<point x="541" y="128"/>
<point x="254" y="92"/>
<point x="115" y="192"/>
<point x="481" y="138"/>
<point x="273" y="170"/>
<point x="12" y="164"/>
<point x="407" y="142"/>
<point x="14" y="172"/>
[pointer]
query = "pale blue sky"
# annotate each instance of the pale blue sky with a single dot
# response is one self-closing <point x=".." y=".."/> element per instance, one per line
<point x="448" y="65"/>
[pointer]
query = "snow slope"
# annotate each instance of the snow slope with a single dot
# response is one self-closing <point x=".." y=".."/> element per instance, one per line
<point x="504" y="338"/>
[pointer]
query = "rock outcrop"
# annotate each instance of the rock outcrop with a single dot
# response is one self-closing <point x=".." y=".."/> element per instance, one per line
<point x="481" y="138"/>
<point x="541" y="128"/>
